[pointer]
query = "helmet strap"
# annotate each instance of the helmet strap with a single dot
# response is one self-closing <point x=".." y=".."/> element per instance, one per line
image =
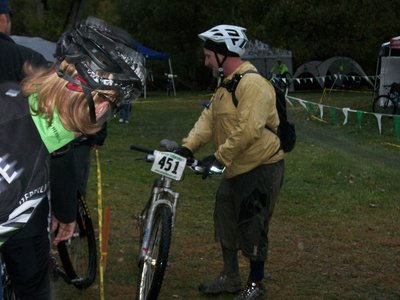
<point x="220" y="65"/>
<point x="90" y="102"/>
<point x="76" y="84"/>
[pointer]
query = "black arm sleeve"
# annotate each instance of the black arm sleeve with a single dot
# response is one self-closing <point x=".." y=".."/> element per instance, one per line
<point x="98" y="138"/>
<point x="63" y="187"/>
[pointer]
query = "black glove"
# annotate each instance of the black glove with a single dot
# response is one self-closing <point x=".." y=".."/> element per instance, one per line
<point x="183" y="151"/>
<point x="207" y="163"/>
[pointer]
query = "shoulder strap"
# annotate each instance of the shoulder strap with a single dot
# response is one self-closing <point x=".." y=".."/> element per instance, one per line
<point x="232" y="84"/>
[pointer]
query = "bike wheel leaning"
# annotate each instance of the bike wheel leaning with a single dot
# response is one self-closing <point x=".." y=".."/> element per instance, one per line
<point x="384" y="105"/>
<point x="152" y="267"/>
<point x="78" y="255"/>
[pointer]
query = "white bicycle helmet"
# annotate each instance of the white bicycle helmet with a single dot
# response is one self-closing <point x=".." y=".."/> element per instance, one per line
<point x="234" y="37"/>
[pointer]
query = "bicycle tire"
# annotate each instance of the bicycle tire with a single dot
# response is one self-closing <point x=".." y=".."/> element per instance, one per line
<point x="384" y="104"/>
<point x="78" y="255"/>
<point x="152" y="268"/>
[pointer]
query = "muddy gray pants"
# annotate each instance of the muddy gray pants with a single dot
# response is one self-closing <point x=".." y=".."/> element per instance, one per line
<point x="243" y="209"/>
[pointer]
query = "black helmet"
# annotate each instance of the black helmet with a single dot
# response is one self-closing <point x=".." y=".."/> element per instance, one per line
<point x="104" y="57"/>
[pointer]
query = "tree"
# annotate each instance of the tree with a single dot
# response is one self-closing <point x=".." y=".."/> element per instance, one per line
<point x="311" y="29"/>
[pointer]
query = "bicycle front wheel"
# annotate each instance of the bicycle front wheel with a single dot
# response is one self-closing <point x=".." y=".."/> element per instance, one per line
<point x="384" y="105"/>
<point x="152" y="267"/>
<point x="78" y="255"/>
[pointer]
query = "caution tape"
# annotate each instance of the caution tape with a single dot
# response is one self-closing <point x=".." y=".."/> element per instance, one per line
<point x="100" y="224"/>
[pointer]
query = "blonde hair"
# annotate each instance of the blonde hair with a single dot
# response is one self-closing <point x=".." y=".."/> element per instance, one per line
<point x="53" y="95"/>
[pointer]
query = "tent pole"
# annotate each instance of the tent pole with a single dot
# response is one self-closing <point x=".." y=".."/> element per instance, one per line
<point x="376" y="77"/>
<point x="170" y="71"/>
<point x="145" y="81"/>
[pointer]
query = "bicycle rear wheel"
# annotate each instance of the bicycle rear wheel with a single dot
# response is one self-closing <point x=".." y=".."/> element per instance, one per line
<point x="384" y="105"/>
<point x="152" y="267"/>
<point x="78" y="255"/>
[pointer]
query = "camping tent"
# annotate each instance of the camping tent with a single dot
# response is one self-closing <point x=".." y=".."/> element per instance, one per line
<point x="264" y="57"/>
<point x="308" y="69"/>
<point x="309" y="73"/>
<point x="342" y="65"/>
<point x="337" y="65"/>
<point x="388" y="65"/>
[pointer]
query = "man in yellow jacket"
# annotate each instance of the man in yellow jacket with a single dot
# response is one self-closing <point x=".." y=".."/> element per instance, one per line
<point x="251" y="154"/>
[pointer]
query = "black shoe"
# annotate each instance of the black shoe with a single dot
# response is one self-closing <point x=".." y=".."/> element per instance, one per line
<point x="253" y="291"/>
<point x="222" y="284"/>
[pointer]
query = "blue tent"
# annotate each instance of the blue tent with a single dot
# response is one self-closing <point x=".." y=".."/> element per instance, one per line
<point x="150" y="53"/>
<point x="153" y="54"/>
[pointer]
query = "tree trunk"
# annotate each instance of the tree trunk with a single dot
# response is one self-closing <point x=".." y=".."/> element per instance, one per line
<point x="74" y="14"/>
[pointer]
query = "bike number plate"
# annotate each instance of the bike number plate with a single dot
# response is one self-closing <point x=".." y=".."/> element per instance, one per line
<point x="168" y="164"/>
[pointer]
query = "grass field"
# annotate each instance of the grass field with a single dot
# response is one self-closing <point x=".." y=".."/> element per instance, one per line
<point x="335" y="233"/>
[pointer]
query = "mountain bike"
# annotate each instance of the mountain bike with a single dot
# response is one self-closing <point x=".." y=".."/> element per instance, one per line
<point x="388" y="103"/>
<point x="157" y="218"/>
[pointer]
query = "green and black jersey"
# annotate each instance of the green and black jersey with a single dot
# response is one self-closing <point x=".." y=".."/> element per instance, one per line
<point x="24" y="160"/>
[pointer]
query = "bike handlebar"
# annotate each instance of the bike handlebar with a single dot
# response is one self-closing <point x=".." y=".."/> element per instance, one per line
<point x="142" y="149"/>
<point x="192" y="163"/>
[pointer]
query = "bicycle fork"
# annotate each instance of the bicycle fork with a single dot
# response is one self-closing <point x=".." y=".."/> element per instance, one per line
<point x="146" y="220"/>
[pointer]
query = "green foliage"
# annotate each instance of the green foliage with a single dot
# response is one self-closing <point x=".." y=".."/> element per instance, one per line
<point x="316" y="30"/>
<point x="311" y="29"/>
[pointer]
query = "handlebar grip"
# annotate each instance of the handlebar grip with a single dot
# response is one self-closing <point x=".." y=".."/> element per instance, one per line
<point x="142" y="149"/>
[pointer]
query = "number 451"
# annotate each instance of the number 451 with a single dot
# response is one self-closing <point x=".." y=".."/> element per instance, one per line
<point x="167" y="164"/>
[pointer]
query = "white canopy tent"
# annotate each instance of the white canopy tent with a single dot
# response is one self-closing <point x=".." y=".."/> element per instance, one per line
<point x="388" y="65"/>
<point x="44" y="47"/>
<point x="337" y="65"/>
<point x="264" y="57"/>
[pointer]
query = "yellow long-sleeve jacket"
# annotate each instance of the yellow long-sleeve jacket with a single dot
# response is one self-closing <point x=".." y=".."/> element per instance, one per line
<point x="241" y="140"/>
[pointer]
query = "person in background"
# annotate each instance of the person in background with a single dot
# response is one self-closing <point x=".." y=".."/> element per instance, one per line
<point x="125" y="112"/>
<point x="280" y="69"/>
<point x="96" y="69"/>
<point x="251" y="154"/>
<point x="12" y="55"/>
